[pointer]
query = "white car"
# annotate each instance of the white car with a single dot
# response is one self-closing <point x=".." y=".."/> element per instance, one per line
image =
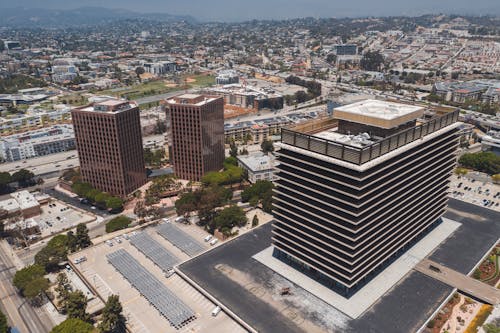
<point x="214" y="241"/>
<point x="208" y="238"/>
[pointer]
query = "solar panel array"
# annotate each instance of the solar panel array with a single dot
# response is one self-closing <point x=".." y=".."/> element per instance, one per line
<point x="154" y="251"/>
<point x="169" y="305"/>
<point x="180" y="239"/>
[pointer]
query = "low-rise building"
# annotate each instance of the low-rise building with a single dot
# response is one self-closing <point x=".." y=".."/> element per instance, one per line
<point x="227" y="76"/>
<point x="50" y="140"/>
<point x="259" y="166"/>
<point x="23" y="203"/>
<point x="491" y="142"/>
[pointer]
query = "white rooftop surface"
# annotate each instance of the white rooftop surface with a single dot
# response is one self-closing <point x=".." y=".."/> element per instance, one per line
<point x="373" y="290"/>
<point x="378" y="109"/>
<point x="257" y="162"/>
<point x="10" y="205"/>
<point x="189" y="97"/>
<point x="25" y="199"/>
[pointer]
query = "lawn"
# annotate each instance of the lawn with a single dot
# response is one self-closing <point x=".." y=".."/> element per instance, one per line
<point x="161" y="87"/>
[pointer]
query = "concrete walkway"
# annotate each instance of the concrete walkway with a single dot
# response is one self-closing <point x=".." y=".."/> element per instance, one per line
<point x="460" y="281"/>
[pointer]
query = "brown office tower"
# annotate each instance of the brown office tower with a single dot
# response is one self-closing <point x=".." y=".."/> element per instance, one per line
<point x="197" y="134"/>
<point x="109" y="144"/>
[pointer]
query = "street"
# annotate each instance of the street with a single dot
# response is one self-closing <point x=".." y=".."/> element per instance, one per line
<point x="20" y="313"/>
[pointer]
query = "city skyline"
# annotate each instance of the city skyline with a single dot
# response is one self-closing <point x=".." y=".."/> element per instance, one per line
<point x="231" y="11"/>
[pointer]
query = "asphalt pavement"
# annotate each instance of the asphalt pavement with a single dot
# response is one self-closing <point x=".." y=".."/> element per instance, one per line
<point x="19" y="312"/>
<point x="403" y="309"/>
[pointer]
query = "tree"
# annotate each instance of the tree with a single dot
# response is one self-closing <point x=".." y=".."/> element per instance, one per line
<point x="101" y="198"/>
<point x="233" y="149"/>
<point x="31" y="281"/>
<point x="76" y="305"/>
<point x="260" y="192"/>
<point x="487" y="162"/>
<point x="114" y="203"/>
<point x="72" y="241"/>
<point x="73" y="325"/>
<point x="139" y="71"/>
<point x="230" y="217"/>
<point x="255" y="221"/>
<point x="118" y="223"/>
<point x="113" y="320"/>
<point x="267" y="146"/>
<point x="93" y="194"/>
<point x="81" y="188"/>
<point x="82" y="236"/>
<point x="23" y="177"/>
<point x="4" y="326"/>
<point x="63" y="287"/>
<point x="5" y="180"/>
<point x="187" y="203"/>
<point x="372" y="61"/>
<point x="53" y="253"/>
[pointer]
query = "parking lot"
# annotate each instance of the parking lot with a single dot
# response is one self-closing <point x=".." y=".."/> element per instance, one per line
<point x="57" y="216"/>
<point x="141" y="315"/>
<point x="476" y="189"/>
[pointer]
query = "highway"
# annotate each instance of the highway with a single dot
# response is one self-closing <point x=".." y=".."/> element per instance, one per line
<point x="20" y="313"/>
<point x="61" y="161"/>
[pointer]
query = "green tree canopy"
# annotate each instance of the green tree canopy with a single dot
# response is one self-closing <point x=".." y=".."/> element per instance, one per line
<point x="5" y="178"/>
<point x="73" y="325"/>
<point x="267" y="146"/>
<point x="82" y="236"/>
<point x="31" y="281"/>
<point x="53" y="253"/>
<point x="114" y="203"/>
<point x="487" y="162"/>
<point x="372" y="61"/>
<point x="260" y="192"/>
<point x="113" y="320"/>
<point x="81" y="188"/>
<point x="75" y="305"/>
<point x="118" y="223"/>
<point x="4" y="326"/>
<point x="230" y="217"/>
<point x="23" y="176"/>
<point x="255" y="221"/>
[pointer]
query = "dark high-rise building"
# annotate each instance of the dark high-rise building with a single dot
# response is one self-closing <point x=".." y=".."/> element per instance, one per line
<point x="109" y="144"/>
<point x="352" y="197"/>
<point x="197" y="134"/>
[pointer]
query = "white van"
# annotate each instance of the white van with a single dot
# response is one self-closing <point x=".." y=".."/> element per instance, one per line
<point x="208" y="238"/>
<point x="216" y="311"/>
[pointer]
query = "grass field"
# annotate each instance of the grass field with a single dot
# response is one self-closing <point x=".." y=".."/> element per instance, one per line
<point x="160" y="87"/>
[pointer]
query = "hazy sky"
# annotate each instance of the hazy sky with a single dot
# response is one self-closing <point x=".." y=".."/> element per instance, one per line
<point x="235" y="10"/>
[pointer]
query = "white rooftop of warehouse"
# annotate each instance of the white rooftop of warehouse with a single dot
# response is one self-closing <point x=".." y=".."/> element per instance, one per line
<point x="25" y="199"/>
<point x="379" y="109"/>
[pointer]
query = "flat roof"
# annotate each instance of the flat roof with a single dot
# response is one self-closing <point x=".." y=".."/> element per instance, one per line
<point x="378" y="113"/>
<point x="10" y="205"/>
<point x="192" y="99"/>
<point x="25" y="199"/>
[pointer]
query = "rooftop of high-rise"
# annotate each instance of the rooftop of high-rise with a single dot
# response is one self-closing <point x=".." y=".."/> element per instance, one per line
<point x="400" y="124"/>
<point x="112" y="105"/>
<point x="191" y="99"/>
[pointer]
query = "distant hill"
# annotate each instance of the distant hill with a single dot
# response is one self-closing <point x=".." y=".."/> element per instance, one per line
<point x="40" y="17"/>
